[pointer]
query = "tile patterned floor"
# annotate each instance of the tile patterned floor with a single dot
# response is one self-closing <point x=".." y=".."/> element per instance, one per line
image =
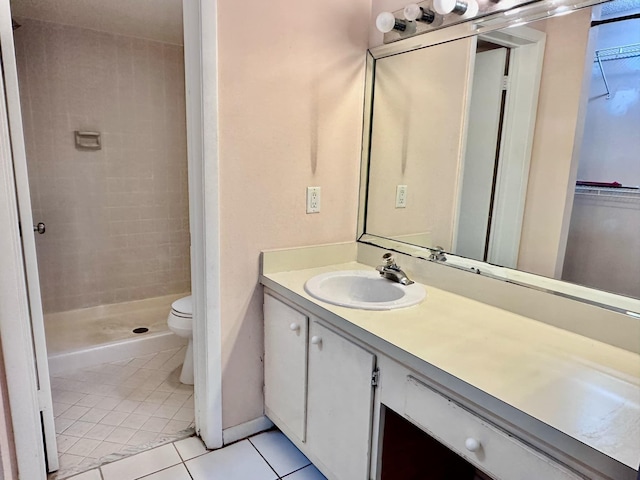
<point x="113" y="410"/>
<point x="267" y="456"/>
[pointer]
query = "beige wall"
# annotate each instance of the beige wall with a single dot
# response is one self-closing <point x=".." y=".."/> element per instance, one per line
<point x="417" y="140"/>
<point x="558" y="125"/>
<point x="291" y="102"/>
<point x="603" y="249"/>
<point x="117" y="219"/>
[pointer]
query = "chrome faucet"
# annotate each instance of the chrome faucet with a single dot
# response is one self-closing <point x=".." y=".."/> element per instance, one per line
<point x="391" y="271"/>
<point x="437" y="255"/>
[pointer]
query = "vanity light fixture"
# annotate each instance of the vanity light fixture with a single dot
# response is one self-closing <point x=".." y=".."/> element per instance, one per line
<point x="466" y="9"/>
<point x="413" y="12"/>
<point x="386" y="21"/>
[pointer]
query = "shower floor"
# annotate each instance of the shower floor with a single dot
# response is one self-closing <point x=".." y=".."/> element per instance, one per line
<point x="88" y="327"/>
<point x="113" y="410"/>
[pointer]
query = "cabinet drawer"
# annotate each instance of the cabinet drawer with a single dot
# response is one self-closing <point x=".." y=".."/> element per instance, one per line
<point x="490" y="449"/>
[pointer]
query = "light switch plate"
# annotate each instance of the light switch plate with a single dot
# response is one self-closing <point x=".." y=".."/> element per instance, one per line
<point x="313" y="199"/>
<point x="401" y="196"/>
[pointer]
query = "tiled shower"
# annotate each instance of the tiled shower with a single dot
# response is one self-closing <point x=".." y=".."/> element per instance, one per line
<point x="117" y="226"/>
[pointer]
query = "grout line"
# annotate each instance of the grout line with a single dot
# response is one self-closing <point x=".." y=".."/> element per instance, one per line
<point x="260" y="453"/>
<point x="301" y="468"/>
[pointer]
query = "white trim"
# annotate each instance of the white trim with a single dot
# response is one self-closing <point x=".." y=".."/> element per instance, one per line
<point x="15" y="321"/>
<point x="200" y="54"/>
<point x="246" y="429"/>
<point x="521" y="107"/>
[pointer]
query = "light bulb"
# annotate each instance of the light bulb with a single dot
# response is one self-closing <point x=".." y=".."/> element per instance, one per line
<point x="385" y="22"/>
<point x="444" y="7"/>
<point x="472" y="9"/>
<point x="414" y="12"/>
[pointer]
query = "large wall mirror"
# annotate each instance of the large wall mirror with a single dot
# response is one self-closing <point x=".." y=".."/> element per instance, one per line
<point x="515" y="147"/>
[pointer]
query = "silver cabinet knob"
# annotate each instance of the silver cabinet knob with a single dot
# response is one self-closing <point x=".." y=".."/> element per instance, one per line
<point x="40" y="228"/>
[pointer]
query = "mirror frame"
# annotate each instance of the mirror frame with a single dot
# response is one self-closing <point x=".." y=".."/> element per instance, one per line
<point x="536" y="11"/>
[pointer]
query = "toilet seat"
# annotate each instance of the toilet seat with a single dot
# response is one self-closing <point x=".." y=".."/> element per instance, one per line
<point x="183" y="307"/>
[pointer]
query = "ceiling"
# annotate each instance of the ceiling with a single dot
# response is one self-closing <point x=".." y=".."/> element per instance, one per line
<point x="153" y="19"/>
<point x="620" y="7"/>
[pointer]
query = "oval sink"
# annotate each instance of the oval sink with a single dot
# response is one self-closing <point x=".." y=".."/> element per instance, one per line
<point x="364" y="290"/>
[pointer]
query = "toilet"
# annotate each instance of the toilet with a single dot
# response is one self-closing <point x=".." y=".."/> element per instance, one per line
<point x="180" y="322"/>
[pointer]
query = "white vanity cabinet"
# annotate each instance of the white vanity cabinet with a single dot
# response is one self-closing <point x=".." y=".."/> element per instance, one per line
<point x="318" y="390"/>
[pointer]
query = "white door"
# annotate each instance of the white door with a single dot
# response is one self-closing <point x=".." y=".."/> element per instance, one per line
<point x="10" y="75"/>
<point x="480" y="158"/>
<point x="339" y="404"/>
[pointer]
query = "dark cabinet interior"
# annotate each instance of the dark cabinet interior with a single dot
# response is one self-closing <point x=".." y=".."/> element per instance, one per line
<point x="408" y="453"/>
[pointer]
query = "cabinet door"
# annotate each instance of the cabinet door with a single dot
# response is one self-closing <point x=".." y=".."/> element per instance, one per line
<point x="285" y="366"/>
<point x="339" y="404"/>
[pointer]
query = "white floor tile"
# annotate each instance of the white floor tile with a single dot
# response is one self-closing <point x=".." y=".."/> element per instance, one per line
<point x="108" y="403"/>
<point x="307" y="473"/>
<point x="83" y="447"/>
<point x="99" y="432"/>
<point x="190" y="448"/>
<point x="106" y="448"/>
<point x="177" y="399"/>
<point x="139" y="395"/>
<point x="239" y="461"/>
<point x="155" y="424"/>
<point x="79" y="429"/>
<point x="127" y="406"/>
<point x="59" y="408"/>
<point x="178" y="472"/>
<point x="65" y="442"/>
<point x="90" y="475"/>
<point x="144" y="463"/>
<point x="175" y="426"/>
<point x="141" y="437"/>
<point x="74" y="413"/>
<point x="94" y="415"/>
<point x="146" y="408"/>
<point x="90" y="401"/>
<point x="279" y="452"/>
<point x="167" y="411"/>
<point x="63" y="424"/>
<point x="135" y="421"/>
<point x="121" y="435"/>
<point x="114" y="418"/>
<point x="67" y="460"/>
<point x="185" y="414"/>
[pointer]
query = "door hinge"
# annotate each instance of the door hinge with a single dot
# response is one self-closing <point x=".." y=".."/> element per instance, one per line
<point x="375" y="377"/>
<point x="505" y="82"/>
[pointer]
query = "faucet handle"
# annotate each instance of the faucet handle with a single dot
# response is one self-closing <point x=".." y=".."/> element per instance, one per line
<point x="388" y="259"/>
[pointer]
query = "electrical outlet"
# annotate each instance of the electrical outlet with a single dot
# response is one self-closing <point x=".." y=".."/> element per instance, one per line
<point x="313" y="199"/>
<point x="401" y="196"/>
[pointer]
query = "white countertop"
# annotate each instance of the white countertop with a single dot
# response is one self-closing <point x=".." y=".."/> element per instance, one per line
<point x="586" y="389"/>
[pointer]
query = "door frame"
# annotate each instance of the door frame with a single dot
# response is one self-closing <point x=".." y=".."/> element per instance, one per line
<point x="200" y="52"/>
<point x="521" y="105"/>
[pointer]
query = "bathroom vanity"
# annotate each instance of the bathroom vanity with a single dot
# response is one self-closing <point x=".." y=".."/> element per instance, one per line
<point x="514" y="397"/>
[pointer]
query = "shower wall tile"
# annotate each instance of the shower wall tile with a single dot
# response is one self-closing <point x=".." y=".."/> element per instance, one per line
<point x="117" y="219"/>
